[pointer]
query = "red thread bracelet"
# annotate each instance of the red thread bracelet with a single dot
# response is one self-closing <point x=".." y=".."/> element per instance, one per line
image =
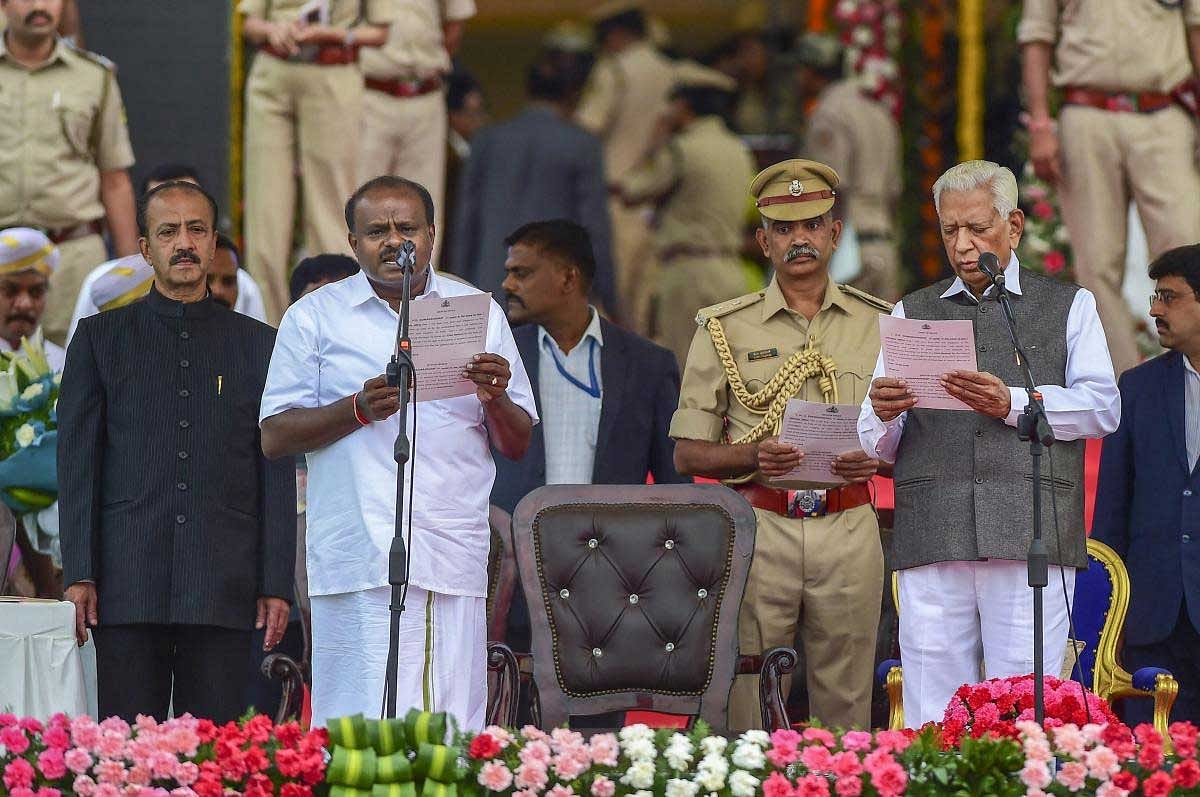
<point x="357" y="415"/>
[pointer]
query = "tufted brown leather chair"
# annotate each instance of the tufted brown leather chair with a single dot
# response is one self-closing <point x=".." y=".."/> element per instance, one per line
<point x="634" y="594"/>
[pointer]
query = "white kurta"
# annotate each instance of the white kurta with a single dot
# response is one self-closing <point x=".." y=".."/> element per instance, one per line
<point x="329" y="343"/>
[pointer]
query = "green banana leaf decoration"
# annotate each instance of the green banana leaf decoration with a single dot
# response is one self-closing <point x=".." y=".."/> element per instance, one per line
<point x="393" y="758"/>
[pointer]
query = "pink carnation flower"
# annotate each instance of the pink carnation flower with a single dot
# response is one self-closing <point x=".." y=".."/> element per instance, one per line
<point x="535" y="752"/>
<point x="1035" y="775"/>
<point x="896" y="741"/>
<point x="186" y="773"/>
<point x="83" y="786"/>
<point x="18" y="774"/>
<point x="1102" y="763"/>
<point x="495" y="776"/>
<point x="603" y="787"/>
<point x="106" y="790"/>
<point x="890" y="780"/>
<point x="14" y="740"/>
<point x="22" y="792"/>
<point x="846" y="765"/>
<point x="1069" y="739"/>
<point x="183" y="791"/>
<point x="110" y="773"/>
<point x="531" y="733"/>
<point x="817" y="758"/>
<point x="560" y="791"/>
<point x="605" y="749"/>
<point x="57" y="737"/>
<point x="85" y="732"/>
<point x="7" y="719"/>
<point x="46" y="791"/>
<point x="1110" y="789"/>
<point x="777" y="786"/>
<point x="856" y="740"/>
<point x="820" y="736"/>
<point x="502" y="736"/>
<point x="532" y="775"/>
<point x="51" y="763"/>
<point x="848" y="787"/>
<point x="812" y="786"/>
<point x="1073" y="775"/>
<point x="77" y="760"/>
<point x="138" y="775"/>
<point x="110" y="745"/>
<point x="116" y="725"/>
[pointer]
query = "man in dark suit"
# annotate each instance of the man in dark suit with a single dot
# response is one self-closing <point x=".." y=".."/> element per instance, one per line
<point x="178" y="536"/>
<point x="1148" y="498"/>
<point x="537" y="165"/>
<point x="605" y="395"/>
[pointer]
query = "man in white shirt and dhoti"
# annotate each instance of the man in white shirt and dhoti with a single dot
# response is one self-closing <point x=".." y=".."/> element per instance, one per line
<point x="964" y="487"/>
<point x="326" y="398"/>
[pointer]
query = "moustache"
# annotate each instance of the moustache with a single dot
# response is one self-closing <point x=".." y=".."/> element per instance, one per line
<point x="1162" y="325"/>
<point x="511" y="299"/>
<point x="36" y="15"/>
<point x="190" y="257"/>
<point x="21" y="318"/>
<point x="802" y="250"/>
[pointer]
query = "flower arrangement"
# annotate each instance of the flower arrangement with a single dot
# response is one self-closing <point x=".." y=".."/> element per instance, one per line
<point x="183" y="757"/>
<point x="870" y="30"/>
<point x="1045" y="245"/>
<point x="995" y="707"/>
<point x="28" y="427"/>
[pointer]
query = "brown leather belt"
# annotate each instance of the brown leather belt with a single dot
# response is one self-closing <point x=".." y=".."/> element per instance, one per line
<point x="805" y="503"/>
<point x="58" y="235"/>
<point x="1120" y="101"/>
<point x="323" y="55"/>
<point x="405" y="88"/>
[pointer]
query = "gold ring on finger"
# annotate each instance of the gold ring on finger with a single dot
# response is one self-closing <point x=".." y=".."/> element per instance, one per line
<point x="495" y="380"/>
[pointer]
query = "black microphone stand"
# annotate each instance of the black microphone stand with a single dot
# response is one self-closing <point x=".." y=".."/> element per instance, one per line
<point x="1033" y="427"/>
<point x="400" y="372"/>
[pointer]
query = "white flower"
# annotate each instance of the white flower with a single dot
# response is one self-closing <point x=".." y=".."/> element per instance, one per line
<point x="678" y="752"/>
<point x="864" y="37"/>
<point x="760" y="738"/>
<point x="748" y="756"/>
<point x="634" y="732"/>
<point x="640" y="793"/>
<point x="640" y="775"/>
<point x="57" y="378"/>
<point x="25" y="435"/>
<point x="711" y="773"/>
<point x="743" y="784"/>
<point x="681" y="788"/>
<point x="33" y="391"/>
<point x="713" y="745"/>
<point x="714" y="763"/>
<point x="640" y="750"/>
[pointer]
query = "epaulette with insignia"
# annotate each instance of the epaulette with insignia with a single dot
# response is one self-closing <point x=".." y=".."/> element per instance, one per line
<point x="874" y="301"/>
<point x="725" y="308"/>
<point x="95" y="58"/>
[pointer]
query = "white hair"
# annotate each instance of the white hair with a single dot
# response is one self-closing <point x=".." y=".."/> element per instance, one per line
<point x="970" y="175"/>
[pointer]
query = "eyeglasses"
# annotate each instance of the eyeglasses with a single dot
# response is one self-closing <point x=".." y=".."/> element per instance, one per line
<point x="1167" y="297"/>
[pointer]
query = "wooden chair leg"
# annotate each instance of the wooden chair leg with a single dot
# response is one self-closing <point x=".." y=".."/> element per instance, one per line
<point x="776" y="663"/>
<point x="502" y="705"/>
<point x="281" y="667"/>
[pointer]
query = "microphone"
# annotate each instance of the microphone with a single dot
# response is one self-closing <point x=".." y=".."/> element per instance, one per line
<point x="408" y="256"/>
<point x="989" y="264"/>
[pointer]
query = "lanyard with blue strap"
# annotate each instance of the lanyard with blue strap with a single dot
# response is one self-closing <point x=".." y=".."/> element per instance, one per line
<point x="592" y="389"/>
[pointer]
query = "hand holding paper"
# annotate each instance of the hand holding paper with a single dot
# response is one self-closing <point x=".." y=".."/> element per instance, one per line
<point x="921" y="352"/>
<point x="446" y="334"/>
<point x="823" y="432"/>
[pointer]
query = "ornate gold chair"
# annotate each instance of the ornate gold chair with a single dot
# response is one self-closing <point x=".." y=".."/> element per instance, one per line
<point x="1098" y="613"/>
<point x="633" y="594"/>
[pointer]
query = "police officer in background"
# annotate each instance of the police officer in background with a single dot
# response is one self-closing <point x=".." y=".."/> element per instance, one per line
<point x="404" y="109"/>
<point x="696" y="174"/>
<point x="625" y="96"/>
<point x="858" y="137"/>
<point x="66" y="153"/>
<point x="304" y="100"/>
<point x="818" y="563"/>
<point x="1120" y="135"/>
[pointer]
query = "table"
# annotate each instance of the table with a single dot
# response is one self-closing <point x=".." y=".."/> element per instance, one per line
<point x="43" y="670"/>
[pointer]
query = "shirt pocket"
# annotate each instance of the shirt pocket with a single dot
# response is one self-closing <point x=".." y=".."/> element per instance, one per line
<point x="76" y="120"/>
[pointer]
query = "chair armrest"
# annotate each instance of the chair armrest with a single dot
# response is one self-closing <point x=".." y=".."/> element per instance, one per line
<point x="281" y="667"/>
<point x="890" y="676"/>
<point x="502" y="706"/>
<point x="1162" y="685"/>
<point x="772" y="666"/>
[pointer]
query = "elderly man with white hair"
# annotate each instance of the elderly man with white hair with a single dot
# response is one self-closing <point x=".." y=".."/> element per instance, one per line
<point x="963" y="479"/>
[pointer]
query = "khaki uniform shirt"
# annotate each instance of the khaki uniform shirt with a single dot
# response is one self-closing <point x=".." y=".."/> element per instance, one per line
<point x="337" y="13"/>
<point x="416" y="46"/>
<point x="846" y="328"/>
<point x="622" y="102"/>
<point x="62" y="123"/>
<point x="1115" y="45"/>
<point x="700" y="179"/>
<point x="859" y="138"/>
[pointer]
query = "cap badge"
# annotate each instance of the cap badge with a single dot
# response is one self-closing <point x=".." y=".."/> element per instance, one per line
<point x="795" y="189"/>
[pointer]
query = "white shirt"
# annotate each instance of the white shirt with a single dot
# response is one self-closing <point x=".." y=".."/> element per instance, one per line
<point x="570" y="415"/>
<point x="55" y="355"/>
<point x="329" y="343"/>
<point x="249" y="301"/>
<point x="1088" y="406"/>
<point x="1191" y="411"/>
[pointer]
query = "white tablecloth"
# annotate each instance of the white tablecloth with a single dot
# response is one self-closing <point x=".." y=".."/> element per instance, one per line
<point x="42" y="670"/>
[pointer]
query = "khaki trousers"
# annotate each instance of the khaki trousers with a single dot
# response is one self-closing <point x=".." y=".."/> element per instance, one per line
<point x="76" y="259"/>
<point x="1110" y="158"/>
<point x="824" y="576"/>
<point x="635" y="264"/>
<point x="880" y="269"/>
<point x="299" y="117"/>
<point x="406" y="136"/>
<point x="685" y="285"/>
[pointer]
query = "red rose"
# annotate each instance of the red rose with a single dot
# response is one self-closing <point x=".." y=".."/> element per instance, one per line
<point x="483" y="747"/>
<point x="1187" y="773"/>
<point x="1157" y="785"/>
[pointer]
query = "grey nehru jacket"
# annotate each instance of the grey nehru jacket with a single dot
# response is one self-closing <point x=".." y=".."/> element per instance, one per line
<point x="964" y="482"/>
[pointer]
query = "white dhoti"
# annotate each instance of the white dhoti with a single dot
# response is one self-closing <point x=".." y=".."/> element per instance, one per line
<point x="442" y="662"/>
<point x="958" y="618"/>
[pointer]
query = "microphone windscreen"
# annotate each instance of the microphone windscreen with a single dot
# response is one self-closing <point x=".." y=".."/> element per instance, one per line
<point x="989" y="264"/>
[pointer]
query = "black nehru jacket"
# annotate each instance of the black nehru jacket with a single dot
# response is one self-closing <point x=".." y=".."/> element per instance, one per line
<point x="165" y="498"/>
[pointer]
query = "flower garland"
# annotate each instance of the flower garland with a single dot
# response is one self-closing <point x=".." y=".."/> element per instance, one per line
<point x="870" y="31"/>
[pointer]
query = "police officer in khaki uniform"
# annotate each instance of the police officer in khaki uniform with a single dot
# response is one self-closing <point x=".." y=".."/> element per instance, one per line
<point x="626" y="94"/>
<point x="697" y="176"/>
<point x="818" y="564"/>
<point x="404" y="110"/>
<point x="1120" y="134"/>
<point x="303" y="106"/>
<point x="858" y="137"/>
<point x="64" y="150"/>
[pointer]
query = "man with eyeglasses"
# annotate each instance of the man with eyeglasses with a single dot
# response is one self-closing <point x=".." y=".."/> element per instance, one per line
<point x="1148" y="501"/>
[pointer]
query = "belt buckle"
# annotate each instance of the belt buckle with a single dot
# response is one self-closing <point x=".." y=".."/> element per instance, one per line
<point x="1123" y="103"/>
<point x="806" y="503"/>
